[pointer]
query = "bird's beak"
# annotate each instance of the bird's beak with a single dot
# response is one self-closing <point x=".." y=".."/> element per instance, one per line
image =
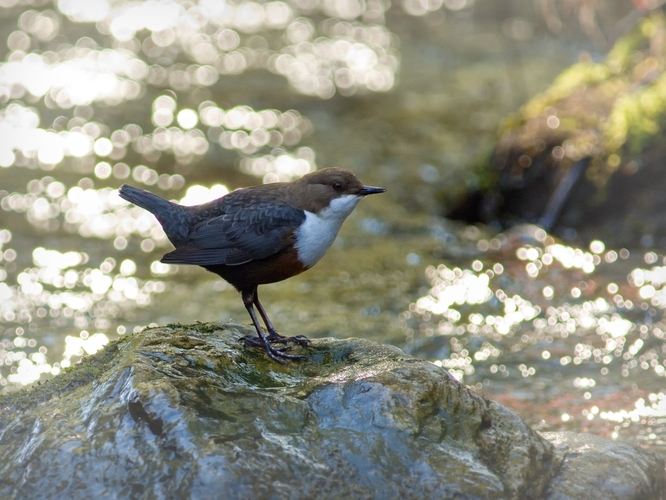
<point x="371" y="190"/>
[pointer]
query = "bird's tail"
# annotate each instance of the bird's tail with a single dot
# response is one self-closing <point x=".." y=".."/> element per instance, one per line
<point x="172" y="216"/>
<point x="148" y="201"/>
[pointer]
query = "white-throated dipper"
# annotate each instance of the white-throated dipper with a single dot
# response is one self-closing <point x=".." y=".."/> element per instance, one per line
<point x="260" y="234"/>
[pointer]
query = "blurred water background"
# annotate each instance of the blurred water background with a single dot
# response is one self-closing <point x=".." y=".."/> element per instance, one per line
<point x="193" y="99"/>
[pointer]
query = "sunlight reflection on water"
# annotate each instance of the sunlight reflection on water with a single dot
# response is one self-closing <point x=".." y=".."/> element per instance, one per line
<point x="67" y="67"/>
<point x="96" y="93"/>
<point x="60" y="286"/>
<point x="496" y="325"/>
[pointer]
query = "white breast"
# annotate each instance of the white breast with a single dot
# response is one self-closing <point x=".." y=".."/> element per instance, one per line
<point x="318" y="232"/>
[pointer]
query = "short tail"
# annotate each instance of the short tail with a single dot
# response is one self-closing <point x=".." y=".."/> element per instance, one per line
<point x="173" y="217"/>
<point x="148" y="201"/>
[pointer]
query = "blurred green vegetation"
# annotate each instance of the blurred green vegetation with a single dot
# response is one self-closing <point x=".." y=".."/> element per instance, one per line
<point x="609" y="111"/>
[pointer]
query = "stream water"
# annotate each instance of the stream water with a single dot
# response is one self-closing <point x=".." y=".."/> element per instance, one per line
<point x="191" y="100"/>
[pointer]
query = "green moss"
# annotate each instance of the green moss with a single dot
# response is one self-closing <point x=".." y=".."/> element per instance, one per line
<point x="204" y="327"/>
<point x="637" y="118"/>
<point x="571" y="79"/>
<point x="607" y="110"/>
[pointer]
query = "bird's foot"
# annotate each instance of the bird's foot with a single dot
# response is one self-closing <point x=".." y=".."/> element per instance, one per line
<point x="276" y="338"/>
<point x="276" y="354"/>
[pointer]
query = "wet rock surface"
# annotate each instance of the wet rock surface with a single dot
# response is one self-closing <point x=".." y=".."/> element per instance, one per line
<point x="594" y="467"/>
<point x="186" y="411"/>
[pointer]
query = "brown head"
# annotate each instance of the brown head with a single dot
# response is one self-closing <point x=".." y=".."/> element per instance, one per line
<point x="314" y="192"/>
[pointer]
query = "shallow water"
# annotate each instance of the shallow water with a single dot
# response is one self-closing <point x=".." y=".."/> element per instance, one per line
<point x="191" y="102"/>
<point x="571" y="338"/>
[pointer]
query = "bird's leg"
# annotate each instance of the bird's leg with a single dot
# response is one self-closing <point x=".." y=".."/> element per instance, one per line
<point x="273" y="335"/>
<point x="276" y="354"/>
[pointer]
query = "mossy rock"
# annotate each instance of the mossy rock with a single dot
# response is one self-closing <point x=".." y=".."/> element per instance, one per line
<point x="186" y="411"/>
<point x="599" y="129"/>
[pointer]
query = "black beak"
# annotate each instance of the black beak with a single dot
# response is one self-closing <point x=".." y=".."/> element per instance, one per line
<point x="371" y="190"/>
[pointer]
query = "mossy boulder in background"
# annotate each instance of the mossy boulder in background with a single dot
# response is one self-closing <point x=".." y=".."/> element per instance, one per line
<point x="188" y="412"/>
<point x="588" y="155"/>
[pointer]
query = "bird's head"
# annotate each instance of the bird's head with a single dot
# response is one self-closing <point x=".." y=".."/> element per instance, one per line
<point x="332" y="192"/>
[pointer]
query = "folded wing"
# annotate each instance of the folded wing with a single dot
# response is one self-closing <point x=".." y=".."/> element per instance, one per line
<point x="238" y="236"/>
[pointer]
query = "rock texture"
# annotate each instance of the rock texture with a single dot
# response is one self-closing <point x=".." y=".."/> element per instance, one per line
<point x="187" y="412"/>
<point x="599" y="468"/>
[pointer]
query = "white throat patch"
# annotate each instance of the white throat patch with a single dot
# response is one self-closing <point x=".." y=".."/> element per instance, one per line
<point x="318" y="232"/>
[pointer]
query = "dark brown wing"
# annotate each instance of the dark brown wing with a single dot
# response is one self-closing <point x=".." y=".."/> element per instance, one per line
<point x="239" y="235"/>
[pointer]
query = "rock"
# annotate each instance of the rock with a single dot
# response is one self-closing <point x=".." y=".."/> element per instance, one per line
<point x="595" y="467"/>
<point x="586" y="156"/>
<point x="187" y="412"/>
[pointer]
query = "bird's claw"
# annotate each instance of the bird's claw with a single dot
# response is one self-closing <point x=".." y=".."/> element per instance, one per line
<point x="278" y="354"/>
<point x="276" y="338"/>
<point x="251" y="341"/>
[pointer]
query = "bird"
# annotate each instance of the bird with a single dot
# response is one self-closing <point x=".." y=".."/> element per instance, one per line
<point x="259" y="235"/>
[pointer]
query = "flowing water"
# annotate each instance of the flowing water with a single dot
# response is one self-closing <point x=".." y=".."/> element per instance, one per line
<point x="191" y="100"/>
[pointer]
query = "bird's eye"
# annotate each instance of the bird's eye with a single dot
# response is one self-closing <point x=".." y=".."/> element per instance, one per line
<point x="337" y="186"/>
